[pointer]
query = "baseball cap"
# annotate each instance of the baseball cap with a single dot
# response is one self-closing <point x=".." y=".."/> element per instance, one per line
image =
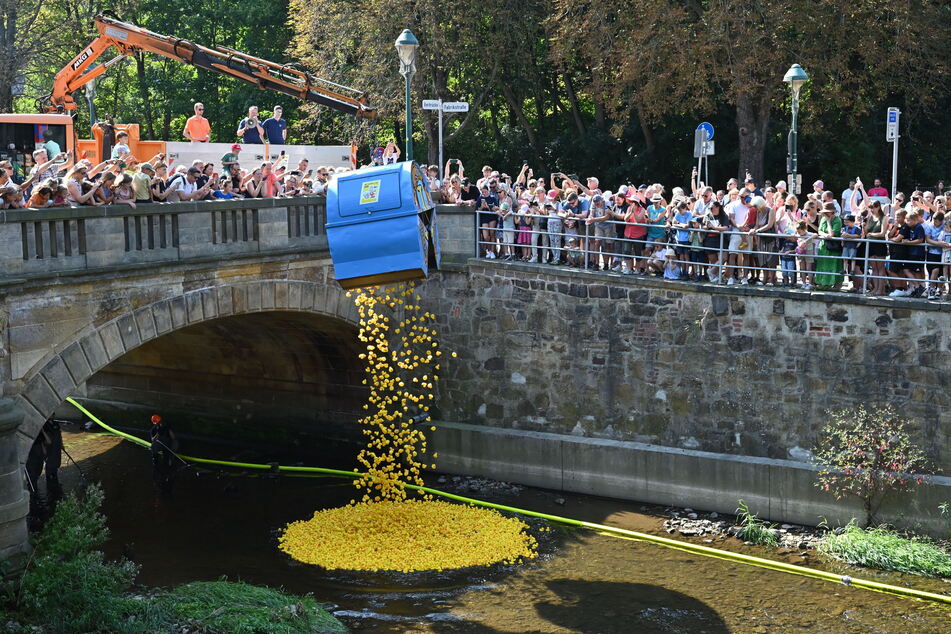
<point x="235" y="147"/>
<point x="749" y="180"/>
<point x="819" y="184"/>
<point x="642" y="188"/>
<point x="597" y="198"/>
<point x="622" y="189"/>
<point x="505" y="205"/>
<point x="553" y="193"/>
<point x="782" y="184"/>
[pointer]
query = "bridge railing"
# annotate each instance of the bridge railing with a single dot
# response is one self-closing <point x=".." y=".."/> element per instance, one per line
<point x="36" y="242"/>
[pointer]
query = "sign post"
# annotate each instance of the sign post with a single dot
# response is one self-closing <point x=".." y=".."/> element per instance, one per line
<point x="891" y="134"/>
<point x="444" y="106"/>
<point x="703" y="148"/>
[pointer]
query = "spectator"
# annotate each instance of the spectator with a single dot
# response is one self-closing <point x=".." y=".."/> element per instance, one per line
<point x="828" y="197"/>
<point x="49" y="144"/>
<point x="182" y="187"/>
<point x="45" y="168"/>
<point x="253" y="184"/>
<point x="275" y="127"/>
<point x="555" y="229"/>
<point x="877" y="190"/>
<point x="225" y="190"/>
<point x="828" y="264"/>
<point x="11" y="197"/>
<point x="229" y="161"/>
<point x="142" y="183"/>
<point x="197" y="129"/>
<point x="250" y="129"/>
<point x="847" y="200"/>
<point x="487" y="204"/>
<point x="42" y="197"/>
<point x="933" y="228"/>
<point x="77" y="194"/>
<point x="391" y="154"/>
<point x="598" y="219"/>
<point x="121" y="149"/>
<point x="805" y="252"/>
<point x="106" y="194"/>
<point x="124" y="193"/>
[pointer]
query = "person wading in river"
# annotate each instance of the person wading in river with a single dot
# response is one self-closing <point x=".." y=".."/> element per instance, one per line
<point x="164" y="446"/>
<point x="46" y="452"/>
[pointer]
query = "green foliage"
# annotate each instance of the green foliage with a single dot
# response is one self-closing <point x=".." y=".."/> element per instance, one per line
<point x="754" y="529"/>
<point x="868" y="453"/>
<point x="68" y="588"/>
<point x="885" y="549"/>
<point x="238" y="608"/>
<point x="67" y="584"/>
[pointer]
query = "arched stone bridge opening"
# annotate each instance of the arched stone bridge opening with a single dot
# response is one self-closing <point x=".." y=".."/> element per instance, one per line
<point x="244" y="354"/>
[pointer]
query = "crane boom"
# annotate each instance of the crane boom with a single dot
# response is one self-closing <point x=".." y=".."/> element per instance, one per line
<point x="129" y="39"/>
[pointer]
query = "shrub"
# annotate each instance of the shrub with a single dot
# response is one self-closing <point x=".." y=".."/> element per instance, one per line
<point x="885" y="549"/>
<point x="67" y="584"/>
<point x="868" y="453"/>
<point x="754" y="529"/>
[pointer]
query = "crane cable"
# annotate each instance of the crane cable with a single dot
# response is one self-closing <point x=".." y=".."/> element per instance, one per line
<point x="604" y="529"/>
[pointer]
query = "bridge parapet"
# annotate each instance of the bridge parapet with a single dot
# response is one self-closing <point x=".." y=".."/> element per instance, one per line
<point x="69" y="240"/>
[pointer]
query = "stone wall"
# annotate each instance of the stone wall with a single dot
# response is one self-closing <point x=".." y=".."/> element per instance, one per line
<point x="746" y="371"/>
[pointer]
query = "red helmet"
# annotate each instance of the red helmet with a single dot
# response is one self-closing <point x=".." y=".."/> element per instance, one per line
<point x="156" y="419"/>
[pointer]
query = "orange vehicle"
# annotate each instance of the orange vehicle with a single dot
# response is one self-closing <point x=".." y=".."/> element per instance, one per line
<point x="24" y="131"/>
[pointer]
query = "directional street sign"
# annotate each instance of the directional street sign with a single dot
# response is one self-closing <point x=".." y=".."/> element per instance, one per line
<point x="708" y="127"/>
<point x="891" y="124"/>
<point x="455" y="106"/>
<point x="431" y="104"/>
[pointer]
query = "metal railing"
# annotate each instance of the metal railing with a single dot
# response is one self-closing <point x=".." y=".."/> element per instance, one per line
<point x="717" y="255"/>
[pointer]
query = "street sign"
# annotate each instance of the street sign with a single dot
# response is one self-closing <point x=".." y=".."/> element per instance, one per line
<point x="455" y="106"/>
<point x="708" y="127"/>
<point x="702" y="146"/>
<point x="431" y="104"/>
<point x="891" y="124"/>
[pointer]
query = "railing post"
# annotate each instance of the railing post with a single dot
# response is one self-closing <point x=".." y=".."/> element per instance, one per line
<point x="865" y="269"/>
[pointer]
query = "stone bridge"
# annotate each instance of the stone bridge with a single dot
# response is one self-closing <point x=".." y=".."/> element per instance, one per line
<point x="643" y="389"/>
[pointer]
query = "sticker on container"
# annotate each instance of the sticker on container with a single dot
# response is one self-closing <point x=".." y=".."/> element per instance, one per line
<point x="370" y="192"/>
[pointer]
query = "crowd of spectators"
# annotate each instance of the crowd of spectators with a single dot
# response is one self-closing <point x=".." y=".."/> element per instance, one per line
<point x="745" y="233"/>
<point x="55" y="181"/>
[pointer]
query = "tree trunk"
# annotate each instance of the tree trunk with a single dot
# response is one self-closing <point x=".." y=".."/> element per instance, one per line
<point x="8" y="56"/>
<point x="752" y="121"/>
<point x="650" y="145"/>
<point x="144" y="95"/>
<point x="523" y="121"/>
<point x="573" y="100"/>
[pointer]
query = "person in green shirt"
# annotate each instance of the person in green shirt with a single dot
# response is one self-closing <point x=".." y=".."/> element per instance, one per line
<point x="49" y="144"/>
<point x="229" y="162"/>
<point x="142" y="183"/>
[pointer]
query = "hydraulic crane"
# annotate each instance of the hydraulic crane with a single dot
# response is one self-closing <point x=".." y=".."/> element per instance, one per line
<point x="129" y="39"/>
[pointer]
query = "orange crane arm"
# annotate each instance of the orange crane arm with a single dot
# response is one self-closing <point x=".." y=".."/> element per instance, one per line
<point x="129" y="39"/>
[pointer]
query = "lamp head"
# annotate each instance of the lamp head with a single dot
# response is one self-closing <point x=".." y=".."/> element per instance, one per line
<point x="796" y="77"/>
<point x="406" y="45"/>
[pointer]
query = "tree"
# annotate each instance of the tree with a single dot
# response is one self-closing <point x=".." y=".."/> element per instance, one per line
<point x="663" y="58"/>
<point x="869" y="454"/>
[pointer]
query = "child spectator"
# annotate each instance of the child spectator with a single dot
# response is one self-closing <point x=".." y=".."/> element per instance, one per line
<point x="61" y="197"/>
<point x="672" y="267"/>
<point x="106" y="193"/>
<point x="123" y="192"/>
<point x="507" y="222"/>
<point x="225" y="189"/>
<point x="573" y="251"/>
<point x="805" y="252"/>
<point x="853" y="267"/>
<point x="43" y="197"/>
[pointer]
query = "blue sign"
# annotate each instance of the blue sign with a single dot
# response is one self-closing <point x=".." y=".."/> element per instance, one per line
<point x="708" y="127"/>
<point x="892" y="116"/>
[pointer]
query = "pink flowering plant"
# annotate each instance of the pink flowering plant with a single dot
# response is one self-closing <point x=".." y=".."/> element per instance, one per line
<point x="868" y="453"/>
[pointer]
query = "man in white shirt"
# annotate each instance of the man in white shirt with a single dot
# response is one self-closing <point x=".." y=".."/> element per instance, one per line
<point x="847" y="199"/>
<point x="182" y="188"/>
<point x="829" y="197"/>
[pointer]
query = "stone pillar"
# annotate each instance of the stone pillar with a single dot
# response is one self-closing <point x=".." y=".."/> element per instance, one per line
<point x="14" y="501"/>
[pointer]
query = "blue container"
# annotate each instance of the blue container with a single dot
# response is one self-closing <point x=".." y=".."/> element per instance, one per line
<point x="381" y="226"/>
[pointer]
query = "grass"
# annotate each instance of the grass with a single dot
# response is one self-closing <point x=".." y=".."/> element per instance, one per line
<point x="885" y="549"/>
<point x="754" y="529"/>
<point x="227" y="607"/>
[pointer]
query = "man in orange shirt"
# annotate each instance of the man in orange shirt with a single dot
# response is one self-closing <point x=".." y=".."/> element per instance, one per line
<point x="197" y="128"/>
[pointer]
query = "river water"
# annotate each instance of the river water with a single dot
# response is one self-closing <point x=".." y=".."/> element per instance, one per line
<point x="215" y="525"/>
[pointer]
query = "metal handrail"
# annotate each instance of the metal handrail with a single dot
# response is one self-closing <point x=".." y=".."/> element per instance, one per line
<point x="584" y="234"/>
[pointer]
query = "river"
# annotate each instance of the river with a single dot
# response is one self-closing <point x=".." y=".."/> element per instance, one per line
<point x="215" y="525"/>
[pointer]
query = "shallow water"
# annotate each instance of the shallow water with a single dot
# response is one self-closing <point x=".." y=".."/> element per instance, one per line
<point x="223" y="525"/>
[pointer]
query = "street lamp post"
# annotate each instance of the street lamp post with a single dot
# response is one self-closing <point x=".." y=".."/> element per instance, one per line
<point x="795" y="77"/>
<point x="406" y="45"/>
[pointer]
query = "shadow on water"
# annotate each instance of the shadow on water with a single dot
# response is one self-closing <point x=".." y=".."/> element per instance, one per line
<point x="602" y="607"/>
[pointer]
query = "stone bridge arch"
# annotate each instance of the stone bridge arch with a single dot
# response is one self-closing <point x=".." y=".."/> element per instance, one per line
<point x="73" y="361"/>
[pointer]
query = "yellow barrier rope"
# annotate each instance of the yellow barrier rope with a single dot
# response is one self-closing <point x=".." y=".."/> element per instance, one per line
<point x="601" y="528"/>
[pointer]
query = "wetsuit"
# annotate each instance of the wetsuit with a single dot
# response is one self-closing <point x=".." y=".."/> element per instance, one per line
<point x="163" y="445"/>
